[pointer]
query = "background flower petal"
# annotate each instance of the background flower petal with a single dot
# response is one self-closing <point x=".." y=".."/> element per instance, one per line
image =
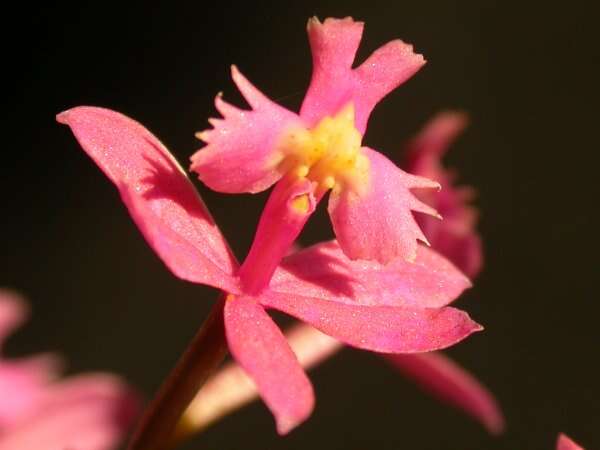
<point x="385" y="329"/>
<point x="446" y="380"/>
<point x="378" y="224"/>
<point x="262" y="351"/>
<point x="13" y="311"/>
<point x="88" y="412"/>
<point x="158" y="194"/>
<point x="324" y="271"/>
<point x="240" y="155"/>
<point x="564" y="442"/>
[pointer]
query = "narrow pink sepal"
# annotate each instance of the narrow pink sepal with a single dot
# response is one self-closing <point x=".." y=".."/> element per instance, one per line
<point x="240" y="151"/>
<point x="378" y="224"/>
<point x="385" y="329"/>
<point x="455" y="236"/>
<point x="87" y="412"/>
<point x="179" y="244"/>
<point x="564" y="442"/>
<point x="324" y="271"/>
<point x="334" y="83"/>
<point x="158" y="194"/>
<point x="230" y="388"/>
<point x="449" y="382"/>
<point x="262" y="351"/>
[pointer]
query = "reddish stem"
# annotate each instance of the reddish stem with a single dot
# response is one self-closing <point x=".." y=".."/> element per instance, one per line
<point x="204" y="354"/>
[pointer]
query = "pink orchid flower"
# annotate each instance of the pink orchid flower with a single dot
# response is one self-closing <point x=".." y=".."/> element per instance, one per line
<point x="318" y="150"/>
<point x="564" y="442"/>
<point x="229" y="389"/>
<point x="398" y="308"/>
<point x="90" y="412"/>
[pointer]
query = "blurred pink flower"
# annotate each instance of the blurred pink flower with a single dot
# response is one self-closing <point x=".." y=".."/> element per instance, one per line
<point x="564" y="442"/>
<point x="320" y="149"/>
<point x="398" y="308"/>
<point x="38" y="411"/>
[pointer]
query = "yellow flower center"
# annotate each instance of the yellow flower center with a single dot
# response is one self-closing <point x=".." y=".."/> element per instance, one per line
<point x="301" y="204"/>
<point x="328" y="154"/>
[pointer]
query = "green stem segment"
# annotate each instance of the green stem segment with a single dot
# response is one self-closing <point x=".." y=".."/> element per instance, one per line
<point x="204" y="354"/>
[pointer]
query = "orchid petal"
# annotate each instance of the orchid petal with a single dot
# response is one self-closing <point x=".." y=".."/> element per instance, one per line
<point x="261" y="350"/>
<point x="564" y="442"/>
<point x="378" y="224"/>
<point x="241" y="154"/>
<point x="384" y="329"/>
<point x="333" y="45"/>
<point x="324" y="271"/>
<point x="158" y="194"/>
<point x="386" y="69"/>
<point x="90" y="412"/>
<point x="446" y="380"/>
<point x="334" y="83"/>
<point x="230" y="388"/>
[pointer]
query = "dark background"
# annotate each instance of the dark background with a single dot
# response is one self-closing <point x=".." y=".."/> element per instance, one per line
<point x="526" y="74"/>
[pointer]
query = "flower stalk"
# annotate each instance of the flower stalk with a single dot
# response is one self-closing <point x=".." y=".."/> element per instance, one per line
<point x="204" y="354"/>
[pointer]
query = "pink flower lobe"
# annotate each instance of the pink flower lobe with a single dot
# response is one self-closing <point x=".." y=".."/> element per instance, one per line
<point x="241" y="151"/>
<point x="384" y="329"/>
<point x="334" y="83"/>
<point x="160" y="198"/>
<point x="378" y="223"/>
<point x="262" y="351"/>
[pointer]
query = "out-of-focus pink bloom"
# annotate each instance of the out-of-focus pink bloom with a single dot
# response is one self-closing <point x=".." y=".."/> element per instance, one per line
<point x="454" y="237"/>
<point x="318" y="150"/>
<point x="37" y="411"/>
<point x="400" y="308"/>
<point x="564" y="442"/>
